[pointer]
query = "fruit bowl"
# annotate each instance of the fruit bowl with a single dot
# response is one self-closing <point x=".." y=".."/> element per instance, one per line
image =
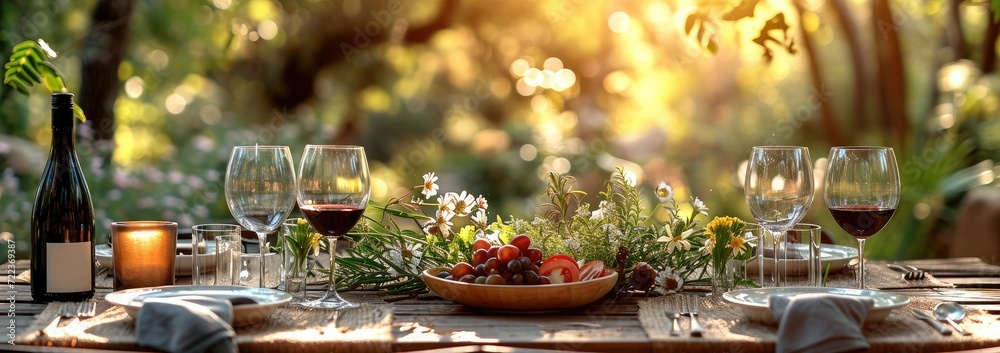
<point x="521" y="298"/>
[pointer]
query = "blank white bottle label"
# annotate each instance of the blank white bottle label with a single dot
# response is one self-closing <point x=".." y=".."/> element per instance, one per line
<point x="68" y="268"/>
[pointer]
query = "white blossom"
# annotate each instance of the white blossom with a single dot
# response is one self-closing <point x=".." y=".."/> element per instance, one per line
<point x="482" y="203"/>
<point x="430" y="187"/>
<point x="463" y="203"/>
<point x="700" y="207"/>
<point x="664" y="192"/>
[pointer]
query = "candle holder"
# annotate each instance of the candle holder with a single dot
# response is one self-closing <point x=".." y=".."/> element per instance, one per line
<point x="143" y="253"/>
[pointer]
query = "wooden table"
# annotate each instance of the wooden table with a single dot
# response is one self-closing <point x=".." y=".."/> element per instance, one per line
<point x="431" y="323"/>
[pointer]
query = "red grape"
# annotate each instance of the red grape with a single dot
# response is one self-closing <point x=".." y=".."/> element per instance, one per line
<point x="516" y="279"/>
<point x="514" y="267"/>
<point x="495" y="279"/>
<point x="534" y="254"/>
<point x="507" y="253"/>
<point x="479" y="257"/>
<point x="530" y="277"/>
<point x="492" y="251"/>
<point x="522" y="242"/>
<point x="493" y="266"/>
<point x="481" y="244"/>
<point x="481" y="280"/>
<point x="461" y="269"/>
<point x="469" y="278"/>
<point x="480" y="270"/>
<point x="544" y="280"/>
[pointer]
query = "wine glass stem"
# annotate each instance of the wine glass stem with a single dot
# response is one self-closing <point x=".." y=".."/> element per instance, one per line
<point x="776" y="238"/>
<point x="861" y="263"/>
<point x="331" y="286"/>
<point x="262" y="241"/>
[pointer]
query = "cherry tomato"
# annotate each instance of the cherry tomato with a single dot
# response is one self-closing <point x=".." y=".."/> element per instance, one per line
<point x="592" y="270"/>
<point x="560" y="270"/>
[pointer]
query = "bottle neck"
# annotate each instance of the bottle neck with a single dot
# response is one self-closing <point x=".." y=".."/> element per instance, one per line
<point x="62" y="127"/>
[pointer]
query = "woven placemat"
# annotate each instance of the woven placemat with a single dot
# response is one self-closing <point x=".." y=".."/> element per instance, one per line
<point x="289" y="329"/>
<point x="729" y="331"/>
<point x="878" y="276"/>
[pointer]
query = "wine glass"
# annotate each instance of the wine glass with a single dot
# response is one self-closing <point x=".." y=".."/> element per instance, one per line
<point x="260" y="190"/>
<point x="862" y="190"/>
<point x="333" y="192"/>
<point x="779" y="189"/>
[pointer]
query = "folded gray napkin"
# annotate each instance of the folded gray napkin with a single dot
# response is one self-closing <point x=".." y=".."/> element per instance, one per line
<point x="820" y="322"/>
<point x="189" y="324"/>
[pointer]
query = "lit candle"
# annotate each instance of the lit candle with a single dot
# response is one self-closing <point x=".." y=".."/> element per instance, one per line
<point x="143" y="253"/>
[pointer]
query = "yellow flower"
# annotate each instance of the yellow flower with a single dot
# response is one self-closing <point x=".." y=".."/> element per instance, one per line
<point x="314" y="243"/>
<point x="738" y="245"/>
<point x="301" y="221"/>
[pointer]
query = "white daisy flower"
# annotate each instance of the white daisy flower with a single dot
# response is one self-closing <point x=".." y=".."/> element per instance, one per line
<point x="481" y="202"/>
<point x="480" y="218"/>
<point x="664" y="192"/>
<point x="430" y="187"/>
<point x="463" y="203"/>
<point x="668" y="281"/>
<point x="443" y="220"/>
<point x="447" y="202"/>
<point x="700" y="206"/>
<point x="676" y="241"/>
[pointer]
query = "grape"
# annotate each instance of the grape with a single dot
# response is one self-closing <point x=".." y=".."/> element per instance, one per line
<point x="450" y="278"/>
<point x="480" y="270"/>
<point x="461" y="269"/>
<point x="507" y="276"/>
<point x="481" y="280"/>
<point x="522" y="242"/>
<point x="492" y="251"/>
<point x="514" y="267"/>
<point x="493" y="266"/>
<point x="530" y="277"/>
<point x="507" y="253"/>
<point x="525" y="262"/>
<point x="481" y="244"/>
<point x="469" y="278"/>
<point x="480" y="257"/>
<point x="495" y="279"/>
<point x="443" y="274"/>
<point x="544" y="280"/>
<point x="517" y="279"/>
<point x="530" y="267"/>
<point x="534" y="254"/>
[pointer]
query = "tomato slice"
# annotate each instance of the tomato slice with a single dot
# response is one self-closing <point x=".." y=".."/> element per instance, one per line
<point x="592" y="270"/>
<point x="560" y="270"/>
<point x="561" y="256"/>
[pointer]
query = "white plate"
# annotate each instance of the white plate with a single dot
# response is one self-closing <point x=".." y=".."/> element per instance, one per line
<point x="838" y="257"/>
<point x="182" y="263"/>
<point x="268" y="300"/>
<point x="754" y="301"/>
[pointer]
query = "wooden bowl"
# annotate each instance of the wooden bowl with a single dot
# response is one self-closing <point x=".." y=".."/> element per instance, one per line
<point x="537" y="298"/>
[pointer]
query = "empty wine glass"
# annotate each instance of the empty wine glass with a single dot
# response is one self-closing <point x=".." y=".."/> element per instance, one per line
<point x="333" y="192"/>
<point x="260" y="190"/>
<point x="861" y="192"/>
<point x="778" y="189"/>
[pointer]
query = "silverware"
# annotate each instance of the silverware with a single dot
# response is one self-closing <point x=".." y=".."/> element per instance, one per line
<point x="937" y="325"/>
<point x="76" y="311"/>
<point x="951" y="312"/>
<point x="909" y="272"/>
<point x="675" y="328"/>
<point x="690" y="308"/>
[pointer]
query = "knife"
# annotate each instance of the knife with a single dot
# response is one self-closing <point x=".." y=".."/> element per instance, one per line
<point x="937" y="325"/>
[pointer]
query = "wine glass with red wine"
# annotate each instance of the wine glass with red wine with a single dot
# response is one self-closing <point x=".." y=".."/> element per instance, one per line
<point x="333" y="191"/>
<point x="779" y="190"/>
<point x="862" y="190"/>
<point x="260" y="190"/>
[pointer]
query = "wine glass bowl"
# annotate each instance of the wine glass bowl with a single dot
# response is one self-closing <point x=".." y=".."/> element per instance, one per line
<point x="333" y="190"/>
<point x="260" y="190"/>
<point x="778" y="188"/>
<point x="862" y="191"/>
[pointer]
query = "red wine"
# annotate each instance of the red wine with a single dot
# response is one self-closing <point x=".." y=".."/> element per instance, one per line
<point x="332" y="220"/>
<point x="62" y="219"/>
<point x="862" y="221"/>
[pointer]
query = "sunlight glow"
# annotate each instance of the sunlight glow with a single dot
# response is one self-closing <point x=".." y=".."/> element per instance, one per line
<point x="619" y="22"/>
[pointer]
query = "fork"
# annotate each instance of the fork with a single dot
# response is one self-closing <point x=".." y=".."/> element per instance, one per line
<point x="690" y="308"/>
<point x="909" y="272"/>
<point x="76" y="311"/>
<point x="675" y="329"/>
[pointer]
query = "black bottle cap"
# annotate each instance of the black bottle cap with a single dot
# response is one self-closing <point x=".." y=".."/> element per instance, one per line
<point x="62" y="110"/>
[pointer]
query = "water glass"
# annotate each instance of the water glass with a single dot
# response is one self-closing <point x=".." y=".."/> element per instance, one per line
<point x="209" y="266"/>
<point x="250" y="270"/>
<point x="795" y="263"/>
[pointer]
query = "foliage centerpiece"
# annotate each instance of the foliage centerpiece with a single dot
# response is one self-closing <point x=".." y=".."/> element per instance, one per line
<point x="411" y="234"/>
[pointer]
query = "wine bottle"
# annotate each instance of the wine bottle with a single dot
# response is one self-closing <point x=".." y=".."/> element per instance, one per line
<point x="62" y="220"/>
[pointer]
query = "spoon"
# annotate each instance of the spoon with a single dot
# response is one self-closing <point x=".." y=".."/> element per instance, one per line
<point x="951" y="312"/>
